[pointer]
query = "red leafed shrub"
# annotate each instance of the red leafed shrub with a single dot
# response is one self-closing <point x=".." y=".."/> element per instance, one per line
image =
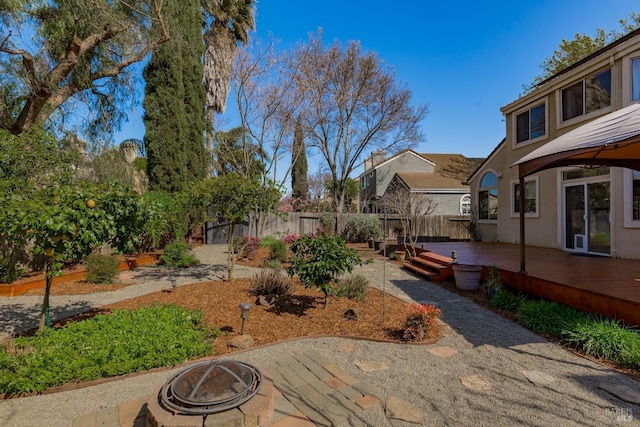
<point x="420" y="320"/>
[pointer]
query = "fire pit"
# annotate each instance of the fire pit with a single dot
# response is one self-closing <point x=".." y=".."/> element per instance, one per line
<point x="217" y="393"/>
<point x="211" y="387"/>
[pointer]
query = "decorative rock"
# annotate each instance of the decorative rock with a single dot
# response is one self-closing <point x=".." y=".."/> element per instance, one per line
<point x="398" y="409"/>
<point x="266" y="300"/>
<point x="442" y="351"/>
<point x="371" y="366"/>
<point x="475" y="382"/>
<point x="351" y="314"/>
<point x="622" y="392"/>
<point x="538" y="378"/>
<point x="241" y="342"/>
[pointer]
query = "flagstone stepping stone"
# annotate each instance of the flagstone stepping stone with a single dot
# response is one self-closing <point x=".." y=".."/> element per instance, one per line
<point x="346" y="347"/>
<point x="475" y="382"/>
<point x="442" y="351"/>
<point x="371" y="366"/>
<point x="538" y="378"/>
<point x="398" y="409"/>
<point x="622" y="392"/>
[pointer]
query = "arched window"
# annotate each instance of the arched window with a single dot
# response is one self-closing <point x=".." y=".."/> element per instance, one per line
<point x="465" y="204"/>
<point x="488" y="197"/>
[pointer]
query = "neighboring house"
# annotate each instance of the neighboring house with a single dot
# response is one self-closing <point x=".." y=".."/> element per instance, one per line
<point x="436" y="177"/>
<point x="580" y="209"/>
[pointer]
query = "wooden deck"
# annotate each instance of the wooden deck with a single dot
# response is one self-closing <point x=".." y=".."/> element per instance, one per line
<point x="607" y="286"/>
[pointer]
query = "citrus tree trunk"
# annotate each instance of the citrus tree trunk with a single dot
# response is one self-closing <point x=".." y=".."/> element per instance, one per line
<point x="45" y="319"/>
<point x="230" y="254"/>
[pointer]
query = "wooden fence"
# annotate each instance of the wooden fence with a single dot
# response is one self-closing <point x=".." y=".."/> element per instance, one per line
<point x="430" y="227"/>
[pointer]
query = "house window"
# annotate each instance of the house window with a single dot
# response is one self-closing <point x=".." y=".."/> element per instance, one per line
<point x="465" y="204"/>
<point x="635" y="79"/>
<point x="587" y="95"/>
<point x="635" y="195"/>
<point x="530" y="197"/>
<point x="530" y="124"/>
<point x="488" y="197"/>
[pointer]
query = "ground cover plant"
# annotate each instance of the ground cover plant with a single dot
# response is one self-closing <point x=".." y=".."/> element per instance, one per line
<point x="122" y="342"/>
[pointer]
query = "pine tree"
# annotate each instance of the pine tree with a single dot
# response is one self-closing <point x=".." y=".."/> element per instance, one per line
<point x="174" y="102"/>
<point x="299" y="183"/>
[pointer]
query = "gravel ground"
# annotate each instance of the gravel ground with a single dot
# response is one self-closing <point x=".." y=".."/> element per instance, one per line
<point x="480" y="382"/>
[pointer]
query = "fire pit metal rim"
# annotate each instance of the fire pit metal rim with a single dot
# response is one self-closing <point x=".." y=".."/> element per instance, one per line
<point x="189" y="406"/>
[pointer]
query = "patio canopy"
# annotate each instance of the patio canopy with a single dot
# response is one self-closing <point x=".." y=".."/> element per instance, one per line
<point x="612" y="140"/>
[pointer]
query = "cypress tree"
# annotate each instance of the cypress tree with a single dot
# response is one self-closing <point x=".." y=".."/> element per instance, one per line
<point x="299" y="183"/>
<point x="174" y="102"/>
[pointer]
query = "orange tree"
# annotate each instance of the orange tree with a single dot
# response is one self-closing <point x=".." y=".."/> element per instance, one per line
<point x="319" y="259"/>
<point x="67" y="223"/>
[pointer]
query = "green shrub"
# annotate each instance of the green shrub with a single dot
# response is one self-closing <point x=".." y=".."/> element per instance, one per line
<point x="177" y="254"/>
<point x="506" y="300"/>
<point x="278" y="251"/>
<point x="361" y="228"/>
<point x="327" y="223"/>
<point x="548" y="317"/>
<point x="9" y="270"/>
<point x="166" y="222"/>
<point x="268" y="241"/>
<point x="107" y="345"/>
<point x="607" y="339"/>
<point x="271" y="282"/>
<point x="353" y="287"/>
<point x="102" y="268"/>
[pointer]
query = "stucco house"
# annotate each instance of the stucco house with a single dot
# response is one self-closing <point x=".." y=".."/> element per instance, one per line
<point x="439" y="178"/>
<point x="578" y="207"/>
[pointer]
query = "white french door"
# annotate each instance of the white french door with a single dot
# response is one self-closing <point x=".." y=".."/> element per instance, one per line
<point x="587" y="217"/>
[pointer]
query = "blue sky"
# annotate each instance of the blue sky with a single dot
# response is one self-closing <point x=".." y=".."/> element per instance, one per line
<point x="465" y="59"/>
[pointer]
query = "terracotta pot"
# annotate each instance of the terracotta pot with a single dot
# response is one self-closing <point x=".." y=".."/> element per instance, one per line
<point x="467" y="276"/>
<point x="400" y="255"/>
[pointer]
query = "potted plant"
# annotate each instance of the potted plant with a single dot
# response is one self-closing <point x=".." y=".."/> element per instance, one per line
<point x="400" y="255"/>
<point x="399" y="232"/>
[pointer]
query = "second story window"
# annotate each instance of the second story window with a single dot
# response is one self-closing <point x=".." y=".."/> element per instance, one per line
<point x="530" y="124"/>
<point x="635" y="79"/>
<point x="587" y="95"/>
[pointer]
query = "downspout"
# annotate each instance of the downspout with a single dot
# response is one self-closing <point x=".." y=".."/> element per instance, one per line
<point x="523" y="269"/>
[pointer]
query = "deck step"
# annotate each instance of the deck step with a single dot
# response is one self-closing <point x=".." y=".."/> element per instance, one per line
<point x="435" y="257"/>
<point x="429" y="274"/>
<point x="427" y="263"/>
